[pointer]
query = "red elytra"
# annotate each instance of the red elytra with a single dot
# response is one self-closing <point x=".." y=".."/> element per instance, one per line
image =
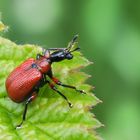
<point x="24" y="78"/>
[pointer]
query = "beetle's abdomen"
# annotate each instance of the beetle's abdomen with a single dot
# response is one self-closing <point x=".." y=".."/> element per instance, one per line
<point x="22" y="80"/>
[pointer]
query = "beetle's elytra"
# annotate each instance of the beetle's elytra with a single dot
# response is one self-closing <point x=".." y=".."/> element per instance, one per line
<point x="24" y="82"/>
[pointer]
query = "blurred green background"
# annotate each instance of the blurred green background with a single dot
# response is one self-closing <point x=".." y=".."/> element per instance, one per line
<point x="109" y="33"/>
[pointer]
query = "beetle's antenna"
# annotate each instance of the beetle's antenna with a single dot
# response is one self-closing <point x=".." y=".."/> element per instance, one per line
<point x="55" y="49"/>
<point x="71" y="43"/>
<point x="75" y="49"/>
<point x="75" y="38"/>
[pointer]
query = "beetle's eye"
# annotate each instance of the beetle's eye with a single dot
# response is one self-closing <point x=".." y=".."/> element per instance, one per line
<point x="69" y="56"/>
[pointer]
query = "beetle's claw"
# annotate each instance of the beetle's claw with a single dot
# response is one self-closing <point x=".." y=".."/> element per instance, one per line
<point x="19" y="126"/>
<point x="81" y="91"/>
<point x="70" y="104"/>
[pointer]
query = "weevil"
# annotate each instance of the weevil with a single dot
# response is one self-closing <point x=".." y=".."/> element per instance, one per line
<point x="25" y="81"/>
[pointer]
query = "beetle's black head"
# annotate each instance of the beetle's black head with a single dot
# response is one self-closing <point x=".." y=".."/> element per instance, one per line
<point x="65" y="53"/>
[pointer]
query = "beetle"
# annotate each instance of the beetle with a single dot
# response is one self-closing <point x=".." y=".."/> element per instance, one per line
<point x="24" y="82"/>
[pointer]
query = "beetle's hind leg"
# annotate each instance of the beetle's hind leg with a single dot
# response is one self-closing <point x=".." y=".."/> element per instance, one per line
<point x="65" y="98"/>
<point x="30" y="99"/>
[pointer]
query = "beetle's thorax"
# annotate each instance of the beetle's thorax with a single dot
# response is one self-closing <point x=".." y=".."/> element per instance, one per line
<point x="43" y="64"/>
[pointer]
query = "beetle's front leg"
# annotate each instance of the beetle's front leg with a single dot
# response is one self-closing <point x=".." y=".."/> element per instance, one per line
<point x="55" y="89"/>
<point x="52" y="86"/>
<point x="31" y="98"/>
<point x="56" y="81"/>
<point x="68" y="86"/>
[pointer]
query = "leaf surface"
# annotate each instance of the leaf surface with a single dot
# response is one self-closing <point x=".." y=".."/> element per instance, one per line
<point x="48" y="117"/>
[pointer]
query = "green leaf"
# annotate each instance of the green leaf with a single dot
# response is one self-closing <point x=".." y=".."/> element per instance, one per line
<point x="49" y="116"/>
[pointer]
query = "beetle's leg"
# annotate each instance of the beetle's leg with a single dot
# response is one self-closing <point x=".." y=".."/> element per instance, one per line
<point x="45" y="81"/>
<point x="70" y="44"/>
<point x="31" y="98"/>
<point x="68" y="86"/>
<point x="56" y="81"/>
<point x="55" y="89"/>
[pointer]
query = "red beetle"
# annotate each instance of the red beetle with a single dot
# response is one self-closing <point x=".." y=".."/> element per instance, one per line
<point x="24" y="82"/>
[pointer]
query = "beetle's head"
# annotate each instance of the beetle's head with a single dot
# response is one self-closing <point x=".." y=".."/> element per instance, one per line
<point x="65" y="53"/>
